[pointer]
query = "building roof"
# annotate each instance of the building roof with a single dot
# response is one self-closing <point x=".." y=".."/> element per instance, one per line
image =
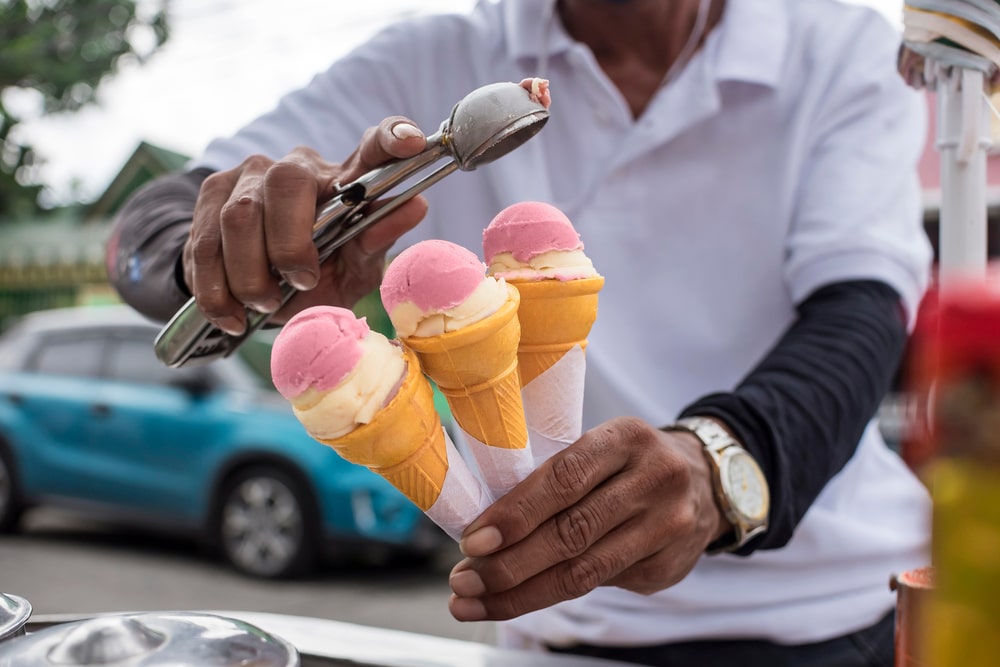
<point x="146" y="162"/>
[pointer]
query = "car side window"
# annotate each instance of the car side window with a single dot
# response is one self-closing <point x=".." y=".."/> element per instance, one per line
<point x="79" y="357"/>
<point x="133" y="360"/>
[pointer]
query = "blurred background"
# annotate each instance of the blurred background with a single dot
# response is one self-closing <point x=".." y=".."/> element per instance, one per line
<point x="161" y="490"/>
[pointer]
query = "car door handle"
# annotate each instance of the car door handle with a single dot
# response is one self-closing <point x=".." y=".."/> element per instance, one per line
<point x="100" y="410"/>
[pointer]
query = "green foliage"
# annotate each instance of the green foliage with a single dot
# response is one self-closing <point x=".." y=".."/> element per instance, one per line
<point x="59" y="51"/>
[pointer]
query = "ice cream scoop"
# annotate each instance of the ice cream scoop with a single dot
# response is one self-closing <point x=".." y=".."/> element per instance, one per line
<point x="318" y="348"/>
<point x="535" y="241"/>
<point x="436" y="286"/>
<point x="334" y="370"/>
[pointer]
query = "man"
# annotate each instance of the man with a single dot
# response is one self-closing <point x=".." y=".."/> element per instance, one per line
<point x="743" y="175"/>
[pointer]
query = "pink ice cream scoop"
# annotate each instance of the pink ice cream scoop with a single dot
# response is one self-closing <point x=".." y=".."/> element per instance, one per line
<point x="434" y="275"/>
<point x="535" y="241"/>
<point x="528" y="229"/>
<point x="538" y="90"/>
<point x="437" y="286"/>
<point x="318" y="348"/>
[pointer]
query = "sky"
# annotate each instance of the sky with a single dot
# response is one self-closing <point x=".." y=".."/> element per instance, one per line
<point x="226" y="62"/>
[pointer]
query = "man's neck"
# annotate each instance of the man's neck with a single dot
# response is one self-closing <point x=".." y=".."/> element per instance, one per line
<point x="636" y="42"/>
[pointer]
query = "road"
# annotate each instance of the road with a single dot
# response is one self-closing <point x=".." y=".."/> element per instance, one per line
<point x="62" y="564"/>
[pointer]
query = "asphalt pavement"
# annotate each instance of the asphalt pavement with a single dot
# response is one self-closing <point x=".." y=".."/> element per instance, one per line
<point x="64" y="565"/>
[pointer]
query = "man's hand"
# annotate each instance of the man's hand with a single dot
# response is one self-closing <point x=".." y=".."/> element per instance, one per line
<point x="261" y="214"/>
<point x="627" y="505"/>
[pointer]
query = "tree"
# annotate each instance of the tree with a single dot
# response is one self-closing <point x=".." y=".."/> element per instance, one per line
<point x="59" y="51"/>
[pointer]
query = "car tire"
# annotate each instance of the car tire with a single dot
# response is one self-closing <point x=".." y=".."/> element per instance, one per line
<point x="267" y="523"/>
<point x="11" y="506"/>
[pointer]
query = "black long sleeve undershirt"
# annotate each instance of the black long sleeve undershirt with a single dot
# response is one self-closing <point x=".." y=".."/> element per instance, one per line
<point x="802" y="410"/>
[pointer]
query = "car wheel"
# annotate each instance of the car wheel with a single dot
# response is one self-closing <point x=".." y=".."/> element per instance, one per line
<point x="266" y="523"/>
<point x="10" y="503"/>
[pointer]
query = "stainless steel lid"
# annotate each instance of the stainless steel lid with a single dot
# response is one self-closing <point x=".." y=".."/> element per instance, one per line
<point x="150" y="640"/>
<point x="14" y="613"/>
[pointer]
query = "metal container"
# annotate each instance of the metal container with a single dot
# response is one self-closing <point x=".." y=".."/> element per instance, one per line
<point x="150" y="640"/>
<point x="913" y="589"/>
<point x="14" y="613"/>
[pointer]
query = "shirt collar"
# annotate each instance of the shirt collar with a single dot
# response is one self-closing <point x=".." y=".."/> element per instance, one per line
<point x="759" y="27"/>
<point x="753" y="27"/>
<point x="532" y="26"/>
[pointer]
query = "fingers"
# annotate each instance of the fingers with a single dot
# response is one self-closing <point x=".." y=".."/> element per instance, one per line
<point x="568" y="534"/>
<point x="581" y="548"/>
<point x="205" y="267"/>
<point x="555" y="532"/>
<point x="558" y="484"/>
<point x="244" y="248"/>
<point x="623" y="506"/>
<point x="291" y="189"/>
<point x="475" y="598"/>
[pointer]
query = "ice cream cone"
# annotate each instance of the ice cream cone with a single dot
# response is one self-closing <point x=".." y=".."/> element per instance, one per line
<point x="554" y="316"/>
<point x="475" y="367"/>
<point x="405" y="443"/>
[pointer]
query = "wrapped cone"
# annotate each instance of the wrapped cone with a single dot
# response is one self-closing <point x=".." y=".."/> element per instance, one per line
<point x="554" y="316"/>
<point x="405" y="443"/>
<point x="475" y="368"/>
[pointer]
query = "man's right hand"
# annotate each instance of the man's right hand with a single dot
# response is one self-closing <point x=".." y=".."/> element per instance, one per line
<point x="260" y="215"/>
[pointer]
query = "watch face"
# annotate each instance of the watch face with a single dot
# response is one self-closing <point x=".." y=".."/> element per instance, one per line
<point x="745" y="486"/>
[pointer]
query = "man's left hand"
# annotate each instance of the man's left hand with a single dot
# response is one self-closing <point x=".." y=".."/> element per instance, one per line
<point x="626" y="505"/>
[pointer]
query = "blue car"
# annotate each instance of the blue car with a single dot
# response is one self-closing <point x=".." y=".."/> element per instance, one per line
<point x="90" y="420"/>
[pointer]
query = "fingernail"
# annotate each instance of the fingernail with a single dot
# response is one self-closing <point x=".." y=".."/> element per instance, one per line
<point x="230" y="325"/>
<point x="302" y="280"/>
<point x="467" y="609"/>
<point x="482" y="542"/>
<point x="466" y="583"/>
<point x="405" y="131"/>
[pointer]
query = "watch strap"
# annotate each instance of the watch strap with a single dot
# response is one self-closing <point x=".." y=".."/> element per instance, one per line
<point x="715" y="439"/>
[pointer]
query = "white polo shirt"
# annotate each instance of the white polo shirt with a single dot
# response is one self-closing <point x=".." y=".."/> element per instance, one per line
<point x="782" y="158"/>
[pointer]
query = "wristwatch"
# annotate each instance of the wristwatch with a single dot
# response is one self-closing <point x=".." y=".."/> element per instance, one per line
<point x="740" y="486"/>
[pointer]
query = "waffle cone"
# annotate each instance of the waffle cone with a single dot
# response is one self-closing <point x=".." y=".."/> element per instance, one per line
<point x="476" y="369"/>
<point x="405" y="443"/>
<point x="555" y="316"/>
